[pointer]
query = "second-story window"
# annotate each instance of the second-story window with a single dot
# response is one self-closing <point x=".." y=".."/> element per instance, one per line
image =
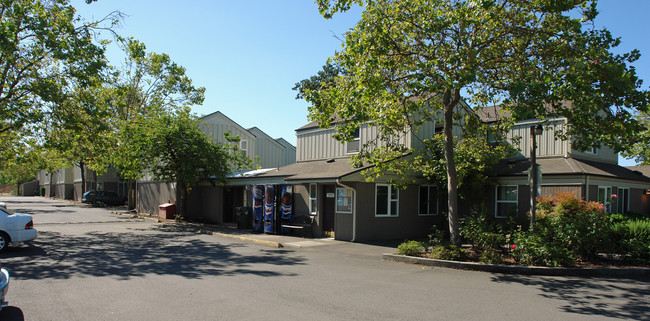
<point x="353" y="146"/>
<point x="243" y="146"/>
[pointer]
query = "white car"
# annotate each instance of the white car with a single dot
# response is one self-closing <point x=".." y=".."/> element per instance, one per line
<point x="15" y="228"/>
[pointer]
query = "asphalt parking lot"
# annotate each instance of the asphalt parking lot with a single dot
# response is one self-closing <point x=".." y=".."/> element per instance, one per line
<point x="102" y="266"/>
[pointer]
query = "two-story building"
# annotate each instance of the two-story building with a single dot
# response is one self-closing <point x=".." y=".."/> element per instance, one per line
<point x="342" y="204"/>
<point x="593" y="175"/>
<point x="335" y="194"/>
<point x="215" y="203"/>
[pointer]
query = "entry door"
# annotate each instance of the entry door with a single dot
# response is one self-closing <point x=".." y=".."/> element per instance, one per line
<point x="328" y="198"/>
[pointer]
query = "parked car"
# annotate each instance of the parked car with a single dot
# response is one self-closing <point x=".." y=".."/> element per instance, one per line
<point x="106" y="197"/>
<point x="15" y="227"/>
<point x="4" y="287"/>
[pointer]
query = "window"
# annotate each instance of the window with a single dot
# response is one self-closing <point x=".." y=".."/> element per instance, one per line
<point x="353" y="146"/>
<point x="313" y="204"/>
<point x="386" y="200"/>
<point x="623" y="200"/>
<point x="593" y="151"/>
<point x="122" y="188"/>
<point x="243" y="146"/>
<point x="605" y="197"/>
<point x="506" y="201"/>
<point x="100" y="186"/>
<point x="344" y="200"/>
<point x="428" y="200"/>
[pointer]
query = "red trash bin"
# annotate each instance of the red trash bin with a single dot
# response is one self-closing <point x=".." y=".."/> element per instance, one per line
<point x="167" y="210"/>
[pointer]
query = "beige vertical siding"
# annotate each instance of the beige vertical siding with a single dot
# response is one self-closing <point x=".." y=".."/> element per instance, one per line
<point x="315" y="144"/>
<point x="547" y="145"/>
<point x="318" y="144"/>
<point x="604" y="154"/>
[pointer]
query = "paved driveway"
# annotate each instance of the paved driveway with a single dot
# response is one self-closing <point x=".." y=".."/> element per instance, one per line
<point x="149" y="271"/>
<point x="50" y="211"/>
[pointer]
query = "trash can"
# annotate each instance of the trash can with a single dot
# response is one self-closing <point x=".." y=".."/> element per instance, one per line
<point x="244" y="217"/>
<point x="167" y="210"/>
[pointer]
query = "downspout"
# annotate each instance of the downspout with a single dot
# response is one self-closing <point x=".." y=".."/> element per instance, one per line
<point x="354" y="209"/>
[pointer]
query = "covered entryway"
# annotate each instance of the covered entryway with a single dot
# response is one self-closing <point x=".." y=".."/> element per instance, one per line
<point x="329" y="206"/>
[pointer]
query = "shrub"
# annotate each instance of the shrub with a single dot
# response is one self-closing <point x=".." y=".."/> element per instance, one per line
<point x="436" y="237"/>
<point x="449" y="252"/>
<point x="535" y="249"/>
<point x="567" y="229"/>
<point x="411" y="248"/>
<point x="631" y="237"/>
<point x="487" y="237"/>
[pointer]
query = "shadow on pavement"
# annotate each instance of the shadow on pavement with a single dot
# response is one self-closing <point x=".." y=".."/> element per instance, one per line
<point x="592" y="296"/>
<point x="126" y="255"/>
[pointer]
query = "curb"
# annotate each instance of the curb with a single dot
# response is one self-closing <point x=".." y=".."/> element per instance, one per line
<point x="518" y="269"/>
<point x="243" y="238"/>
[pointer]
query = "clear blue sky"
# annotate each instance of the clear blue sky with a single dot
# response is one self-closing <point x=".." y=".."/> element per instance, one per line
<point x="249" y="54"/>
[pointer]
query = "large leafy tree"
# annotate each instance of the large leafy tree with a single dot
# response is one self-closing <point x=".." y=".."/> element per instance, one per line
<point x="147" y="87"/>
<point x="412" y="61"/>
<point x="186" y="155"/>
<point x="79" y="129"/>
<point x="43" y="46"/>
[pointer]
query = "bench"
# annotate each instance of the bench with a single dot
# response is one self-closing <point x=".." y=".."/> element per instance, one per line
<point x="300" y="223"/>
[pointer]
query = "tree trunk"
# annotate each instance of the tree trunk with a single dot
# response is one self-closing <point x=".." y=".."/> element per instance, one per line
<point x="181" y="198"/>
<point x="452" y="175"/>
<point x="131" y="194"/>
<point x="51" y="188"/>
<point x="82" y="166"/>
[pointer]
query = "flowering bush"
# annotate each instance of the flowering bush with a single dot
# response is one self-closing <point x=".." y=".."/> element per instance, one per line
<point x="567" y="228"/>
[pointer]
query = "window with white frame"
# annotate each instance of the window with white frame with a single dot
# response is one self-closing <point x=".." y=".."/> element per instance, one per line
<point x="344" y="199"/>
<point x="623" y="200"/>
<point x="506" y="201"/>
<point x="313" y="203"/>
<point x="354" y="145"/>
<point x="243" y="146"/>
<point x="428" y="200"/>
<point x="593" y="151"/>
<point x="605" y="197"/>
<point x="386" y="200"/>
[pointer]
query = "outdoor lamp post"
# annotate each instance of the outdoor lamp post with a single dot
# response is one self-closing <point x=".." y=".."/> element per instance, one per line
<point x="535" y="131"/>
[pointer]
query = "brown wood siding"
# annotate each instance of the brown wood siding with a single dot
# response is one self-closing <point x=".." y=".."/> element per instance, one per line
<point x="639" y="201"/>
<point x="408" y="225"/>
<point x="343" y="227"/>
<point x="206" y="203"/>
<point x="548" y="191"/>
<point x="151" y="194"/>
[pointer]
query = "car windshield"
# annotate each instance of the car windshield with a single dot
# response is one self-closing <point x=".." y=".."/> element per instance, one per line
<point x="8" y="212"/>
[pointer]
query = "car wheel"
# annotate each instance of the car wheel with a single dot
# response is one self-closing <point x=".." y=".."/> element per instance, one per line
<point x="4" y="241"/>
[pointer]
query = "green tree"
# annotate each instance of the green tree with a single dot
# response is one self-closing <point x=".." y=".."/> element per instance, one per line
<point x="640" y="151"/>
<point x="79" y="129"/>
<point x="42" y="47"/>
<point x="185" y="155"/>
<point x="412" y="61"/>
<point x="147" y="87"/>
